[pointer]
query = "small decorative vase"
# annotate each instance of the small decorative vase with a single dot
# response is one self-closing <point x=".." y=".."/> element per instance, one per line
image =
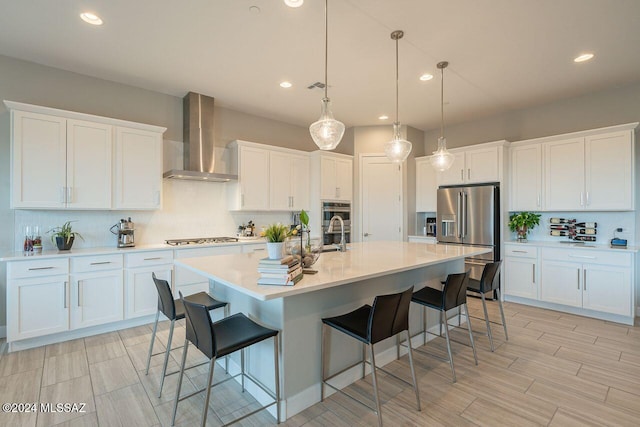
<point x="522" y="234"/>
<point x="64" y="244"/>
<point x="274" y="250"/>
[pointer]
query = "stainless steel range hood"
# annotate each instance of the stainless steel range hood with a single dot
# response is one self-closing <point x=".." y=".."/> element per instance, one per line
<point x="199" y="148"/>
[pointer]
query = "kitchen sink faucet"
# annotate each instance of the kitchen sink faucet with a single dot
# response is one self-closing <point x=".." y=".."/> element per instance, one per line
<point x="343" y="244"/>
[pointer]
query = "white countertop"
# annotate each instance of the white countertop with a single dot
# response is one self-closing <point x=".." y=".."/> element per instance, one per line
<point x="362" y="261"/>
<point x="594" y="246"/>
<point x="108" y="250"/>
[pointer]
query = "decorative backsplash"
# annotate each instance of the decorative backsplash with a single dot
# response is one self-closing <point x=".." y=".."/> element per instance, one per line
<point x="573" y="229"/>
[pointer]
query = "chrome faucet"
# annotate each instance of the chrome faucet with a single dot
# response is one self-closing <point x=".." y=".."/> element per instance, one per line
<point x="343" y="244"/>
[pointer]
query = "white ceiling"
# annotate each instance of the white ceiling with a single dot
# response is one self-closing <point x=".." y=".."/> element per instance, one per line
<point x="503" y="54"/>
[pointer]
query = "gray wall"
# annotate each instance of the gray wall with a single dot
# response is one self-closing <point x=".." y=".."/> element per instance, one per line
<point x="599" y="109"/>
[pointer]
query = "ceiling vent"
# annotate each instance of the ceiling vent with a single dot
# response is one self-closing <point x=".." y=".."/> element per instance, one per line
<point x="316" y="85"/>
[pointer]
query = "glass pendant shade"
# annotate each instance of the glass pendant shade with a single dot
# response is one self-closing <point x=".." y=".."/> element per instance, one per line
<point x="327" y="131"/>
<point x="441" y="159"/>
<point x="397" y="150"/>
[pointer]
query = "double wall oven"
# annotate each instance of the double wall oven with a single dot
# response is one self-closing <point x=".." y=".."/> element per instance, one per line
<point x="329" y="210"/>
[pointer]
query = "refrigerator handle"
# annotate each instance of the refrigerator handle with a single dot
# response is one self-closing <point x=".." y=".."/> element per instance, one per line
<point x="464" y="214"/>
<point x="459" y="215"/>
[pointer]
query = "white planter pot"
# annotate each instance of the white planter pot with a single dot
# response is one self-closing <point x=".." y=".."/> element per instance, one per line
<point x="274" y="250"/>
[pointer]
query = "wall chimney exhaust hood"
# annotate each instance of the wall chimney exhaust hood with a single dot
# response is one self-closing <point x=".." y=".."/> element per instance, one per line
<point x="199" y="148"/>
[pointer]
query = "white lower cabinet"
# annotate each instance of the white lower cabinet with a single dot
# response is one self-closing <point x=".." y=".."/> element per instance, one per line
<point x="97" y="290"/>
<point x="141" y="296"/>
<point x="37" y="298"/>
<point x="520" y="271"/>
<point x="599" y="281"/>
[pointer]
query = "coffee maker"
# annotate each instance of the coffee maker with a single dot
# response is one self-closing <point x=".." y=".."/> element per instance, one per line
<point x="124" y="230"/>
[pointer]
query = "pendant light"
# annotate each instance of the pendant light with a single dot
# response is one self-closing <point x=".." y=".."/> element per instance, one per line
<point x="398" y="149"/>
<point x="442" y="159"/>
<point x="327" y="131"/>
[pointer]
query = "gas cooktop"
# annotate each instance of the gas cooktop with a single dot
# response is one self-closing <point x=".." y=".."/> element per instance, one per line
<point x="200" y="241"/>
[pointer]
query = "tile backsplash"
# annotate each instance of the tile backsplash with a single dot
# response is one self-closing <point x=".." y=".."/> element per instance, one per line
<point x="190" y="209"/>
<point x="607" y="223"/>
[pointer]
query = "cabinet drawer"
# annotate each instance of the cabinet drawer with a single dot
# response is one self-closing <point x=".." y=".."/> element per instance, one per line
<point x="39" y="268"/>
<point x="142" y="259"/>
<point x="522" y="251"/>
<point x="587" y="256"/>
<point x="96" y="263"/>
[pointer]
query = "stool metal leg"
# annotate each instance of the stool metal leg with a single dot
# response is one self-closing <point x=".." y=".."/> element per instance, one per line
<point x="446" y="335"/>
<point x="413" y="371"/>
<point x="364" y="359"/>
<point x="212" y="364"/>
<point x="441" y="321"/>
<point x="276" y="360"/>
<point x="166" y="356"/>
<point x="153" y="338"/>
<point x="242" y="367"/>
<point x="473" y="346"/>
<point x="424" y="323"/>
<point x="226" y="359"/>
<point x="323" y="362"/>
<point x="180" y="375"/>
<point x="486" y="319"/>
<point x="504" y="323"/>
<point x="375" y="384"/>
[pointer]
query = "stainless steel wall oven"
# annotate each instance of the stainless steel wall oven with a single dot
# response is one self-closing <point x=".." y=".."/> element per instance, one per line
<point x="329" y="210"/>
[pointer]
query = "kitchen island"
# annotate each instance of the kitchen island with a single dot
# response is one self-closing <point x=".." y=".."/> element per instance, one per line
<point x="345" y="281"/>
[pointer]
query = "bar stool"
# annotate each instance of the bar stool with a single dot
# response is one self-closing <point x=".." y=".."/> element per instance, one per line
<point x="388" y="316"/>
<point x="452" y="295"/>
<point x="174" y="310"/>
<point x="220" y="339"/>
<point x="488" y="283"/>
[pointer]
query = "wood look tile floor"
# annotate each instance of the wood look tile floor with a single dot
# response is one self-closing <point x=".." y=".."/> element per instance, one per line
<point x="557" y="369"/>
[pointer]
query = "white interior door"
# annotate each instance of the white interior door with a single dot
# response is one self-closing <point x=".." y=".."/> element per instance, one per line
<point x="381" y="190"/>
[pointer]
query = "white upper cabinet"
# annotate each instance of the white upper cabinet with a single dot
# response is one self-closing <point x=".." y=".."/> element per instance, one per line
<point x="334" y="176"/>
<point x="475" y="164"/>
<point x="564" y="174"/>
<point x="609" y="171"/>
<point x="288" y="181"/>
<point x="60" y="163"/>
<point x="138" y="169"/>
<point x="269" y="178"/>
<point x="89" y="148"/>
<point x="39" y="160"/>
<point x="66" y="160"/>
<point x="426" y="186"/>
<point x="526" y="178"/>
<point x="592" y="172"/>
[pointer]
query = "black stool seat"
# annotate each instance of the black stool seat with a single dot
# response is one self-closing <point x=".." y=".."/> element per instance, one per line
<point x="353" y="324"/>
<point x="236" y="332"/>
<point x="430" y="297"/>
<point x="174" y="311"/>
<point x="370" y="324"/>
<point x="220" y="339"/>
<point x="201" y="298"/>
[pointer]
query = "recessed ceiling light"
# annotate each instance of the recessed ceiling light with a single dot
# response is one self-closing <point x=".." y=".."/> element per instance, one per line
<point x="293" y="3"/>
<point x="426" y="76"/>
<point x="583" y="57"/>
<point x="285" y="85"/>
<point x="91" y="18"/>
<point x="383" y="117"/>
<point x="254" y="9"/>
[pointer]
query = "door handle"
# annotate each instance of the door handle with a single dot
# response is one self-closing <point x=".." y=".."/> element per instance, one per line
<point x="578" y="279"/>
<point x="459" y="216"/>
<point x="367" y="234"/>
<point x="41" y="268"/>
<point x="100" y="263"/>
<point x="69" y="195"/>
<point x="153" y="258"/>
<point x="464" y="214"/>
<point x="461" y="174"/>
<point x="584" y="280"/>
<point x="520" y="252"/>
<point x="469" y="173"/>
<point x="587" y="198"/>
<point x="533" y="270"/>
<point x="581" y="198"/>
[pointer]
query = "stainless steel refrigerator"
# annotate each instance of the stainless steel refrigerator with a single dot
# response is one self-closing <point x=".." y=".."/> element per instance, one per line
<point x="470" y="215"/>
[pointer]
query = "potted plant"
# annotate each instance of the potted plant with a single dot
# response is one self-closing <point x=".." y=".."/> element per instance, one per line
<point x="63" y="236"/>
<point x="522" y="223"/>
<point x="276" y="234"/>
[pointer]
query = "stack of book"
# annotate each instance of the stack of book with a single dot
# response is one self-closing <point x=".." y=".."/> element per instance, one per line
<point x="284" y="272"/>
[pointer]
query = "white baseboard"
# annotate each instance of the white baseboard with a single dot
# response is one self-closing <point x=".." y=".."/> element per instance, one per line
<point x="3" y="331"/>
